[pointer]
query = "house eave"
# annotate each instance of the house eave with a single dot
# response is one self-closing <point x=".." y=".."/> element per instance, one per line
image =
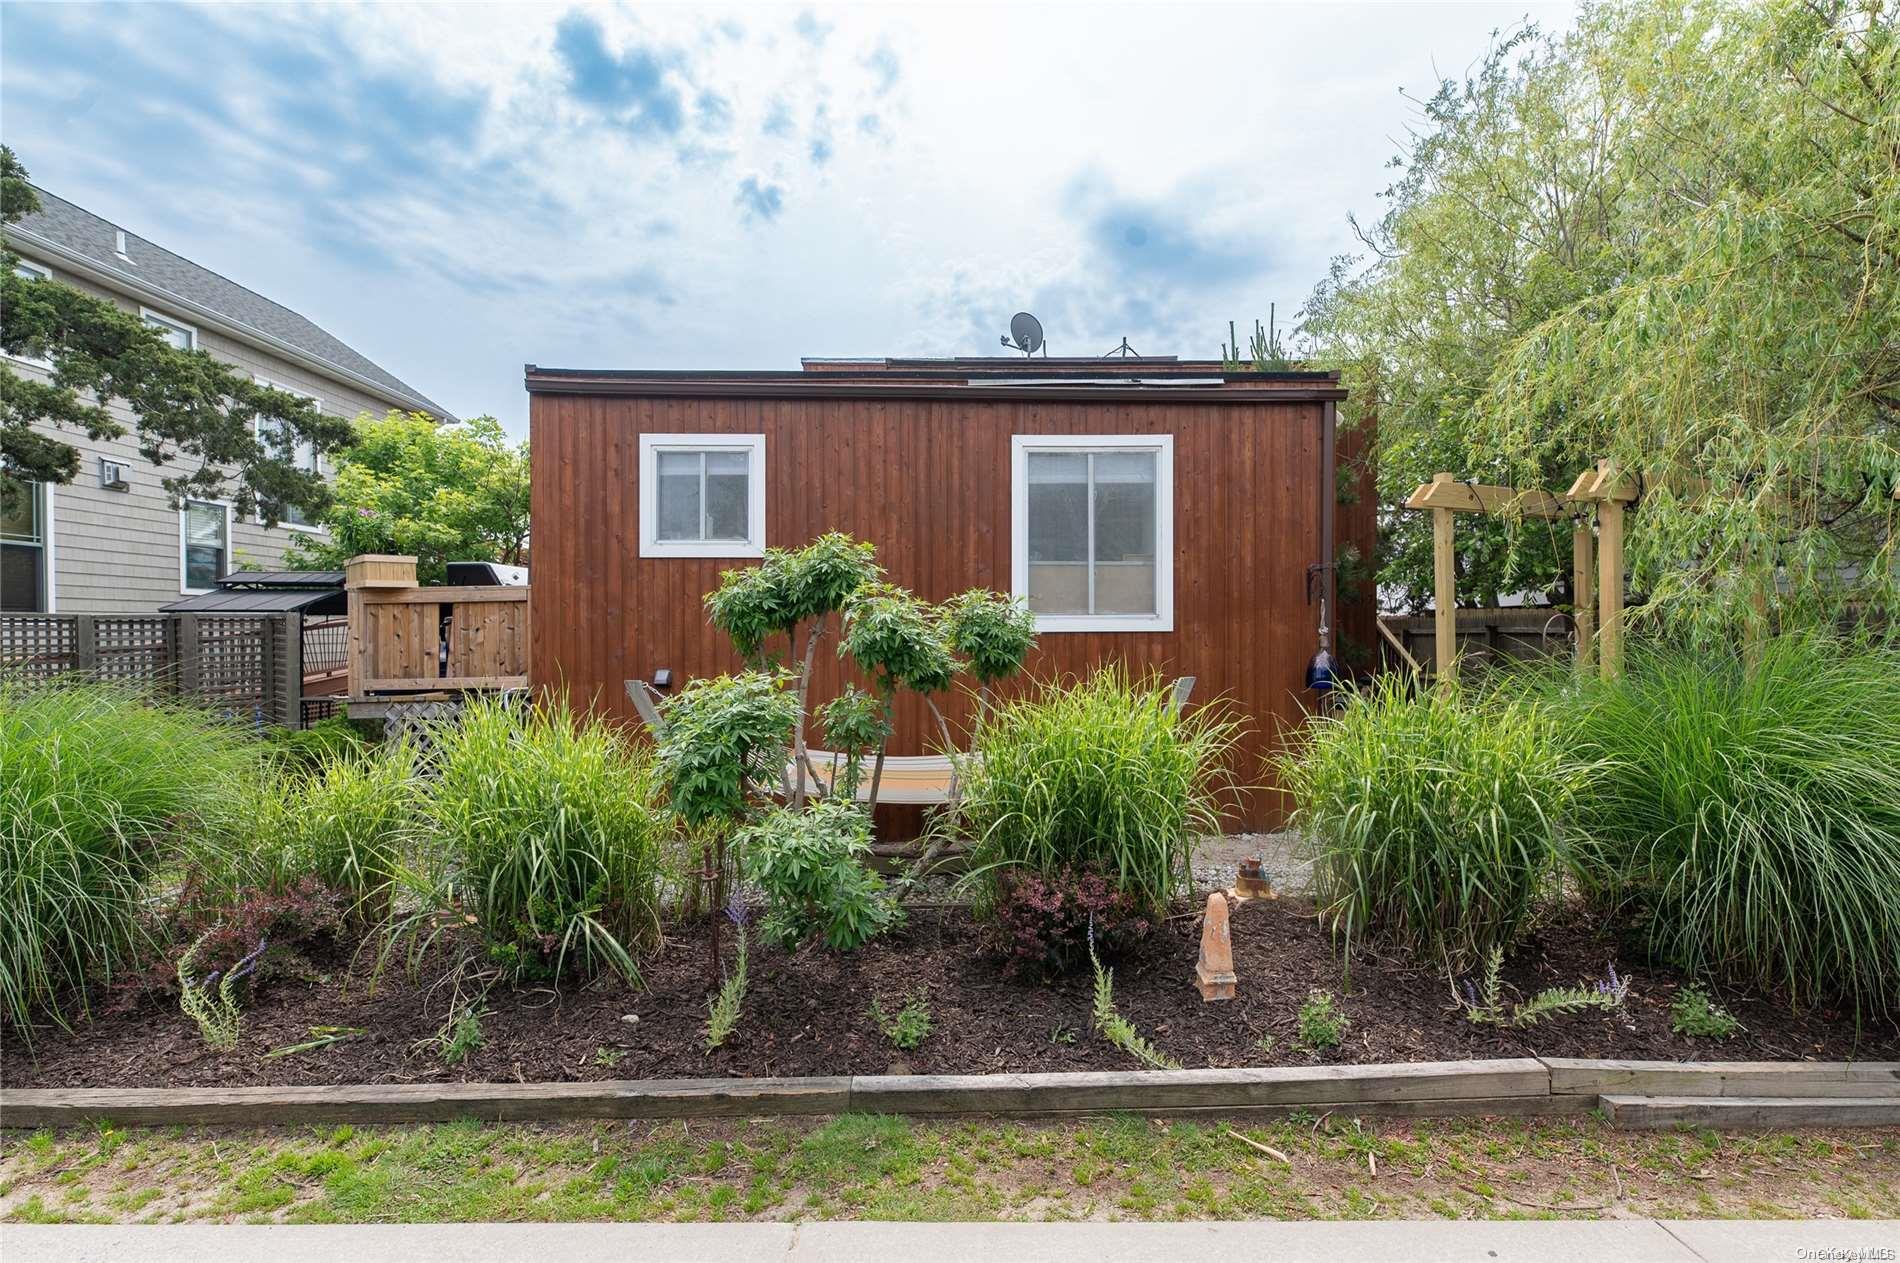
<point x="137" y="287"/>
<point x="774" y="385"/>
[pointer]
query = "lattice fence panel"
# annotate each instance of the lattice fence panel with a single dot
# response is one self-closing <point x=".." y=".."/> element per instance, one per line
<point x="234" y="664"/>
<point x="37" y="646"/>
<point x="134" y="647"/>
<point x="419" y="722"/>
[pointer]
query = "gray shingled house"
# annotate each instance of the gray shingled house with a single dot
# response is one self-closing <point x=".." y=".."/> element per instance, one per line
<point x="111" y="541"/>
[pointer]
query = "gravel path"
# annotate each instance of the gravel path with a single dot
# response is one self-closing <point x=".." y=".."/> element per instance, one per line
<point x="1215" y="859"/>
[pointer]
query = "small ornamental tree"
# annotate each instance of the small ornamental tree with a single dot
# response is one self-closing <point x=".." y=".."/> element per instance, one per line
<point x="890" y="636"/>
<point x="787" y="589"/>
<point x="854" y="722"/>
<point x="992" y="633"/>
<point x="749" y="607"/>
<point x="719" y="733"/>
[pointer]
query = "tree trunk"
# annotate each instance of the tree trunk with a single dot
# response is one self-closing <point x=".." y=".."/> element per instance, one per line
<point x="804" y="692"/>
<point x="943" y="728"/>
<point x="714" y="873"/>
<point x="877" y="768"/>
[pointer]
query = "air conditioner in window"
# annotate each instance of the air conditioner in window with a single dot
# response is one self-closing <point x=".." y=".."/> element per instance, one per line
<point x="112" y="475"/>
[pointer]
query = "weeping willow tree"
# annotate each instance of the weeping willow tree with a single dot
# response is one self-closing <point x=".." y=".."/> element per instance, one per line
<point x="1669" y="237"/>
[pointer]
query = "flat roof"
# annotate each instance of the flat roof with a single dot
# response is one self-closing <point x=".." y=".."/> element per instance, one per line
<point x="1008" y="377"/>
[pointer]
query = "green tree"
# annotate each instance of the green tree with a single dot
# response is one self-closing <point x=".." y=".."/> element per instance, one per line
<point x="441" y="493"/>
<point x="789" y="588"/>
<point x="723" y="737"/>
<point x="1670" y="237"/>
<point x="889" y="635"/>
<point x="992" y="633"/>
<point x="191" y="412"/>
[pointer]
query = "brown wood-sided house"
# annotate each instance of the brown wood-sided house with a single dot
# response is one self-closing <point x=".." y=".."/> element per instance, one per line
<point x="1167" y="514"/>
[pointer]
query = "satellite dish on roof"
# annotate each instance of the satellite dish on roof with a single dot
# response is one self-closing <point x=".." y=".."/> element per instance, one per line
<point x="1025" y="334"/>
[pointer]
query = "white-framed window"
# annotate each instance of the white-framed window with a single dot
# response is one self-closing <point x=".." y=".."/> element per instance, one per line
<point x="1092" y="530"/>
<point x="32" y="272"/>
<point x="26" y="548"/>
<point x="204" y="545"/>
<point x="302" y="453"/>
<point x="702" y="495"/>
<point x="176" y="332"/>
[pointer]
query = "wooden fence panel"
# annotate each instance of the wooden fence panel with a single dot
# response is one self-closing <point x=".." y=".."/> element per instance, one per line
<point x="1488" y="637"/>
<point x="242" y="665"/>
<point x="410" y="639"/>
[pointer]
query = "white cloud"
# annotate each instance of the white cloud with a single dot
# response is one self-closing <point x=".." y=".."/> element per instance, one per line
<point x="451" y="194"/>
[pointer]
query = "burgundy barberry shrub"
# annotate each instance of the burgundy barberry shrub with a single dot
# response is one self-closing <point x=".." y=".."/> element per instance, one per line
<point x="290" y="916"/>
<point x="1042" y="923"/>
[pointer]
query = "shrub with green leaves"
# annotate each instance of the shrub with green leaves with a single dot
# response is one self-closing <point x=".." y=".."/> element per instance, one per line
<point x="100" y="784"/>
<point x="992" y="633"/>
<point x="890" y="636"/>
<point x="1433" y="815"/>
<point x="545" y="823"/>
<point x="1103" y="774"/>
<point x="909" y="1026"/>
<point x="811" y="867"/>
<point x="1695" y="1013"/>
<point x="294" y="750"/>
<point x="854" y="722"/>
<point x="721" y="734"/>
<point x="1745" y="823"/>
<point x="787" y="589"/>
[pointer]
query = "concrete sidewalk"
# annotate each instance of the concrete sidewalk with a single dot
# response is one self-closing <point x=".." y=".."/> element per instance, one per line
<point x="1423" y="1241"/>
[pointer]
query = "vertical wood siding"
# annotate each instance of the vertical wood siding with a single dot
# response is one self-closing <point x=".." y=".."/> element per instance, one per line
<point x="927" y="480"/>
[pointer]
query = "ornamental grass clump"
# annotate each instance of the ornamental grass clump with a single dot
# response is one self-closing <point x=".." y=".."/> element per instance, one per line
<point x="1433" y="816"/>
<point x="100" y="784"/>
<point x="1103" y="774"/>
<point x="1746" y="825"/>
<point x="352" y="823"/>
<point x="547" y="838"/>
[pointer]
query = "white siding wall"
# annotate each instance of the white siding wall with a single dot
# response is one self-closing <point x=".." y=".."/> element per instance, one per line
<point x="117" y="552"/>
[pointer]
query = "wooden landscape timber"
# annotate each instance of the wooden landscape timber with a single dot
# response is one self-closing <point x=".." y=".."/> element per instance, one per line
<point x="1724" y="1078"/>
<point x="1651" y="1113"/>
<point x="1636" y="1093"/>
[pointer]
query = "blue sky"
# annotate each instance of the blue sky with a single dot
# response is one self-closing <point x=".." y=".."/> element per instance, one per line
<point x="457" y="190"/>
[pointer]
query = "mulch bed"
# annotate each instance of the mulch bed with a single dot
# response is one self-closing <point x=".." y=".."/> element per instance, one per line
<point x="807" y="1014"/>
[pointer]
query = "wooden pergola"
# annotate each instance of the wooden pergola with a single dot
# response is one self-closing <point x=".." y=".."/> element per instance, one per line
<point x="1596" y="559"/>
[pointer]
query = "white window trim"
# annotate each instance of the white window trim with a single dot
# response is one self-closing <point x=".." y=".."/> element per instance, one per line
<point x="148" y="316"/>
<point x="40" y="273"/>
<point x="316" y="457"/>
<point x="52" y="569"/>
<point x="184" y="513"/>
<point x="47" y="559"/>
<point x="651" y="445"/>
<point x="1162" y="445"/>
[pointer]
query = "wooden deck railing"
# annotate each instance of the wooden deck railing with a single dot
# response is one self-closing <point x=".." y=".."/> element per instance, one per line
<point x="410" y="639"/>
